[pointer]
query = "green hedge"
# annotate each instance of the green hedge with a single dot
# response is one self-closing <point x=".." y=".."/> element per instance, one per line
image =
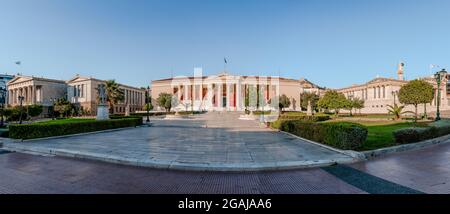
<point x="312" y="118"/>
<point x="342" y="135"/>
<point x="305" y="118"/>
<point x="37" y="130"/>
<point x="416" y="134"/>
<point x="143" y="114"/>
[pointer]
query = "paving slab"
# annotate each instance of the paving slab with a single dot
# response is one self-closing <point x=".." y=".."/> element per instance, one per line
<point x="227" y="144"/>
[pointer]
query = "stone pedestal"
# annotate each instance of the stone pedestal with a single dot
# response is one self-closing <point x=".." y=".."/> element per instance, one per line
<point x="102" y="112"/>
<point x="309" y="111"/>
<point x="127" y="110"/>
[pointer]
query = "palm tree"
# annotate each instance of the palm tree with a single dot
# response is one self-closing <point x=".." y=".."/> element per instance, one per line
<point x="114" y="94"/>
<point x="397" y="111"/>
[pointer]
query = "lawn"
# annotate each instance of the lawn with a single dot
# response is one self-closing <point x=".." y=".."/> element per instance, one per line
<point x="380" y="132"/>
<point x="67" y="120"/>
<point x="380" y="135"/>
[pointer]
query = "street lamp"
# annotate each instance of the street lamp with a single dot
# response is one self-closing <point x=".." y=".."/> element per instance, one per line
<point x="394" y="93"/>
<point x="147" y="101"/>
<point x="21" y="98"/>
<point x="2" y="103"/>
<point x="53" y="100"/>
<point x="438" y="76"/>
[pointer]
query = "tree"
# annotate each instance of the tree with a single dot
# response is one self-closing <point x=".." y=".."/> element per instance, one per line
<point x="165" y="100"/>
<point x="261" y="99"/>
<point x="63" y="107"/>
<point x="251" y="97"/>
<point x="148" y="107"/>
<point x="113" y="94"/>
<point x="354" y="103"/>
<point x="397" y="111"/>
<point x="306" y="97"/>
<point x="34" y="110"/>
<point x="358" y="103"/>
<point x="415" y="93"/>
<point x="283" y="102"/>
<point x="333" y="100"/>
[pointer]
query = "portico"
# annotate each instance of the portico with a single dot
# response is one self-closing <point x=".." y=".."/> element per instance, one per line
<point x="220" y="93"/>
<point x="31" y="88"/>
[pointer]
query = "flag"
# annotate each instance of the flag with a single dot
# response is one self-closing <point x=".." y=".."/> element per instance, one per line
<point x="225" y="60"/>
<point x="18" y="62"/>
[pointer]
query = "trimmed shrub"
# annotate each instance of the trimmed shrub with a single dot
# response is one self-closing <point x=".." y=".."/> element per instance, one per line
<point x="40" y="130"/>
<point x="312" y="118"/>
<point x="4" y="132"/>
<point x="151" y="113"/>
<point x="115" y="116"/>
<point x="416" y="134"/>
<point x="342" y="135"/>
<point x="261" y="112"/>
<point x="305" y="118"/>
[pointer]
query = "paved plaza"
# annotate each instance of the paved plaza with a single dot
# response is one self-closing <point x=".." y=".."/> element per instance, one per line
<point x="213" y="141"/>
<point x="426" y="170"/>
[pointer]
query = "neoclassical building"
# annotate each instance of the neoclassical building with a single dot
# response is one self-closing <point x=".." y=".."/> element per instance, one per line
<point x="35" y="90"/>
<point x="380" y="92"/>
<point x="226" y="92"/>
<point x="82" y="91"/>
<point x="79" y="90"/>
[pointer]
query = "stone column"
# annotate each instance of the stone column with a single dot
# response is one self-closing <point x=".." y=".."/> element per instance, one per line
<point x="9" y="97"/>
<point x="16" y="94"/>
<point x="209" y="95"/>
<point x="228" y="104"/>
<point x="238" y="96"/>
<point x="219" y="95"/>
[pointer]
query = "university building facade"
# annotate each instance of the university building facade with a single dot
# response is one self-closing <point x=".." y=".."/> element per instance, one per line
<point x="227" y="92"/>
<point x="81" y="91"/>
<point x="381" y="92"/>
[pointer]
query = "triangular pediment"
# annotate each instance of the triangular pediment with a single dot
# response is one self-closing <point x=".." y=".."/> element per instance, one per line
<point x="77" y="79"/>
<point x="378" y="79"/>
<point x="18" y="79"/>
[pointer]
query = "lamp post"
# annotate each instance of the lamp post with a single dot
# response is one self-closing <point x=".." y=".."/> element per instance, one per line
<point x="2" y="103"/>
<point x="21" y="98"/>
<point x="438" y="76"/>
<point x="394" y="93"/>
<point x="53" y="100"/>
<point x="147" y="101"/>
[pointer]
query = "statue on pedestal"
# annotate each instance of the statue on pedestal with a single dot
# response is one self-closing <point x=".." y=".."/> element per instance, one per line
<point x="309" y="111"/>
<point x="127" y="110"/>
<point x="102" y="107"/>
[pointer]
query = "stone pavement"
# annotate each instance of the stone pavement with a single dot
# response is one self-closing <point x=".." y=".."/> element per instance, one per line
<point x="213" y="141"/>
<point x="24" y="173"/>
<point x="426" y="170"/>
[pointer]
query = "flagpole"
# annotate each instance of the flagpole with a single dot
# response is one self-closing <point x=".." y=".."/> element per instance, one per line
<point x="225" y="65"/>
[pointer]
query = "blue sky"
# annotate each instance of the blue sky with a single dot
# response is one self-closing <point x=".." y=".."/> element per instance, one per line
<point x="332" y="43"/>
